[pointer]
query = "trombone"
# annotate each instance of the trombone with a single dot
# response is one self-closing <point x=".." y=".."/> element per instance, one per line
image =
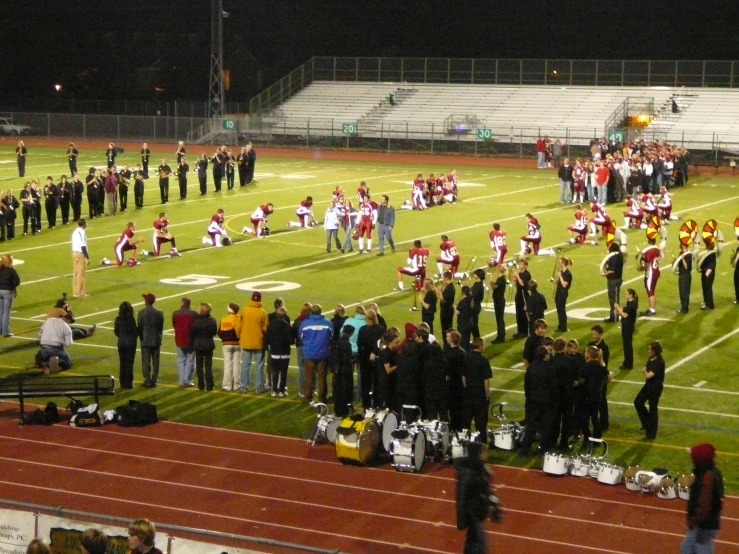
<point x="556" y="266"/>
<point x="512" y="269"/>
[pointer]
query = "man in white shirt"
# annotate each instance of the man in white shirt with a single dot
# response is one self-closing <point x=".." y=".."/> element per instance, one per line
<point x="80" y="259"/>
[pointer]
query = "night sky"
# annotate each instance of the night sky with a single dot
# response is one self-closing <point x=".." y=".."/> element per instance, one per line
<point x="101" y="49"/>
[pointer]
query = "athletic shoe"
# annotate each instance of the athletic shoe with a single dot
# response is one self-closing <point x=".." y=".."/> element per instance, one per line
<point x="281" y="394"/>
<point x="274" y="395"/>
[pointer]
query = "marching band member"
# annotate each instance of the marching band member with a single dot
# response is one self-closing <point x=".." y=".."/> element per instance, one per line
<point x="499" y="243"/>
<point x="110" y="155"/>
<point x="683" y="267"/>
<point x="417" y="259"/>
<point x="650" y="265"/>
<point x="65" y="197"/>
<point x="498" y="286"/>
<point x="180" y="152"/>
<point x="241" y="164"/>
<point x="304" y="212"/>
<point x="612" y="268"/>
<point x="140" y="176"/>
<point x="29" y="212"/>
<point x="628" y="324"/>
<point x="521" y="278"/>
<point x="126" y="243"/>
<point x="10" y="207"/>
<point x="362" y="191"/>
<point x="664" y="205"/>
<point x="201" y="168"/>
<point x="533" y="237"/>
<point x="579" y="174"/>
<point x="216" y="230"/>
<point x="707" y="269"/>
<point x="162" y="235"/>
<point x="259" y="221"/>
<point x="633" y="212"/>
<point x="217" y="161"/>
<point x="78" y="189"/>
<point x="580" y="228"/>
<point x="145" y="154"/>
<point x="123" y="182"/>
<point x="418" y="194"/>
<point x="229" y="163"/>
<point x="21" y="152"/>
<point x="251" y="162"/>
<point x="164" y="173"/>
<point x="367" y="221"/>
<point x="93" y="184"/>
<point x="182" y="169"/>
<point x="600" y="217"/>
<point x="564" y="283"/>
<point x="449" y="256"/>
<point x="72" y="154"/>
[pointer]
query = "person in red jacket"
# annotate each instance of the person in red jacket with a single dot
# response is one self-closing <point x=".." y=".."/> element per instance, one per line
<point x="181" y="322"/>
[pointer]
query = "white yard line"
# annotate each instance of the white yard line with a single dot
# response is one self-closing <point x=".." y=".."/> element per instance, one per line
<point x="700" y="351"/>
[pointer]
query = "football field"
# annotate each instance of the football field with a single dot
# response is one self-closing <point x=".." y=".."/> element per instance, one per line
<point x="702" y="386"/>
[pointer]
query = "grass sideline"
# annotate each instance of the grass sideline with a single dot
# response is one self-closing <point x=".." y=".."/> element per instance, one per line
<point x="700" y="400"/>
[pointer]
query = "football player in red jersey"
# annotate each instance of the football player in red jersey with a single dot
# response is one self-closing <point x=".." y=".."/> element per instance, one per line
<point x="664" y="205"/>
<point x="338" y="195"/>
<point x="362" y="191"/>
<point x="305" y="214"/>
<point x="453" y="192"/>
<point x="259" y="221"/>
<point x="600" y="217"/>
<point x="126" y="243"/>
<point x="418" y="198"/>
<point x="216" y="230"/>
<point x="533" y="236"/>
<point x="634" y="212"/>
<point x="367" y="220"/>
<point x="431" y="190"/>
<point x="650" y="259"/>
<point x="449" y="256"/>
<point x="579" y="230"/>
<point x="162" y="235"/>
<point x="579" y="174"/>
<point x="647" y="205"/>
<point x="499" y="244"/>
<point x="417" y="259"/>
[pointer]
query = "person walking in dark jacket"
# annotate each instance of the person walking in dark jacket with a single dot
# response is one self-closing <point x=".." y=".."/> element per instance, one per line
<point x="654" y="373"/>
<point x="150" y="323"/>
<point x="541" y="389"/>
<point x="476" y="377"/>
<point x="278" y="339"/>
<point x="126" y="331"/>
<point x="473" y="498"/>
<point x="344" y="373"/>
<point x="706" y="502"/>
<point x="204" y="329"/>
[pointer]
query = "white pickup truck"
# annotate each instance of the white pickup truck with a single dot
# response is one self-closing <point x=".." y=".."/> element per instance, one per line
<point x="8" y="128"/>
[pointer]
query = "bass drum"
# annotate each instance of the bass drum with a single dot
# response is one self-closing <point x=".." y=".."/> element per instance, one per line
<point x="357" y="440"/>
<point x="408" y="449"/>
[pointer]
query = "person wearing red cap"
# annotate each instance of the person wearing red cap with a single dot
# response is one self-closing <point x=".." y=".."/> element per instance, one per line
<point x="705" y="503"/>
<point x="150" y="323"/>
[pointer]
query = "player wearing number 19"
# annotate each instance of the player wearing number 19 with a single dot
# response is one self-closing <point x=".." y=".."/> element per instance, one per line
<point x="417" y="259"/>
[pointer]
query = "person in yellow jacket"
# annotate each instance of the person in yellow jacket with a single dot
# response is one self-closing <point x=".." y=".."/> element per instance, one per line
<point x="229" y="331"/>
<point x="251" y="337"/>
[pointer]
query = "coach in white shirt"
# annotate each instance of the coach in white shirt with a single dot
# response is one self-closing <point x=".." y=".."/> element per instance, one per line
<point x="80" y="258"/>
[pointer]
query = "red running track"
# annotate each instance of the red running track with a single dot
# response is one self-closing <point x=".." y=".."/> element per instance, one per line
<point x="283" y="489"/>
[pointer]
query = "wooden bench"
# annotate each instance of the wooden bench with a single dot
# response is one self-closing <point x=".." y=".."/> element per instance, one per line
<point x="59" y="385"/>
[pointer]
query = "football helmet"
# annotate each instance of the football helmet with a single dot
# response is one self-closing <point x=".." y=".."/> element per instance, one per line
<point x="133" y="262"/>
<point x="313" y="223"/>
<point x="225" y="241"/>
<point x="265" y="231"/>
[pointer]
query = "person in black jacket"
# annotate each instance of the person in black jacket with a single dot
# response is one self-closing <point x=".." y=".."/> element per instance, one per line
<point x="521" y="278"/>
<point x="408" y="372"/>
<point x="534" y="341"/>
<point x="338" y="321"/>
<point x="202" y="331"/>
<point x="446" y="301"/>
<point x="78" y="190"/>
<point x="150" y="323"/>
<point x="566" y="182"/>
<point x="654" y="373"/>
<point x="592" y="380"/>
<point x="499" y="287"/>
<point x="473" y="498"/>
<point x="251" y="161"/>
<point x="464" y="313"/>
<point x="201" y="168"/>
<point x="567" y="372"/>
<point x="436" y="389"/>
<point x="476" y="375"/>
<point x="125" y="329"/>
<point x="564" y="283"/>
<point x="613" y="272"/>
<point x="455" y="361"/>
<point x="578" y="363"/>
<point x="478" y="295"/>
<point x="707" y="269"/>
<point x="536" y="305"/>
<point x="541" y="389"/>
<point x="344" y="372"/>
<point x="628" y="324"/>
<point x="368" y="350"/>
<point x="428" y="300"/>
<point x="278" y="339"/>
<point x="597" y="334"/>
<point x="706" y="501"/>
<point x="684" y="277"/>
<point x="386" y="370"/>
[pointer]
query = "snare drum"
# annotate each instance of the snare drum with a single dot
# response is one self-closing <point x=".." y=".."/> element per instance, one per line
<point x="666" y="488"/>
<point x="504" y="438"/>
<point x="437" y="438"/>
<point x="610" y="474"/>
<point x="556" y="464"/>
<point x="580" y="466"/>
<point x="357" y="440"/>
<point x="684" y="482"/>
<point x="408" y="449"/>
<point x="648" y="481"/>
<point x="458" y="446"/>
<point x="630" y="478"/>
<point x="327" y="426"/>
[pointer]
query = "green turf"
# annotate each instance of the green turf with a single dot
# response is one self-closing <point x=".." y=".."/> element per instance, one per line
<point x="688" y="414"/>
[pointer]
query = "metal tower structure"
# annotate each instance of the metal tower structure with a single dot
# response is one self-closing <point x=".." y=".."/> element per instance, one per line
<point x="216" y="96"/>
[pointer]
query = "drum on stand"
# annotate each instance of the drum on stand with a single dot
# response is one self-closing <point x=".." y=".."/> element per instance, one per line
<point x="357" y="440"/>
<point x="408" y="449"/>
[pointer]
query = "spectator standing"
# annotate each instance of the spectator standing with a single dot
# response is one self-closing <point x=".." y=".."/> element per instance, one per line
<point x="127" y="332"/>
<point x="386" y="221"/>
<point x="182" y="321"/>
<point x="706" y="502"/>
<point x="304" y="313"/>
<point x="204" y="328"/>
<point x="602" y="176"/>
<point x="654" y="373"/>
<point x="566" y="179"/>
<point x="150" y="323"/>
<point x="557" y="151"/>
<point x="316" y="333"/>
<point x="380" y="319"/>
<point x="358" y="320"/>
<point x="253" y="328"/>
<point x="338" y="321"/>
<point x="278" y="340"/>
<point x="9" y="283"/>
<point x="80" y="259"/>
<point x="344" y="372"/>
<point x="541" y="151"/>
<point x="331" y="225"/>
<point x="229" y="331"/>
<point x="368" y="352"/>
